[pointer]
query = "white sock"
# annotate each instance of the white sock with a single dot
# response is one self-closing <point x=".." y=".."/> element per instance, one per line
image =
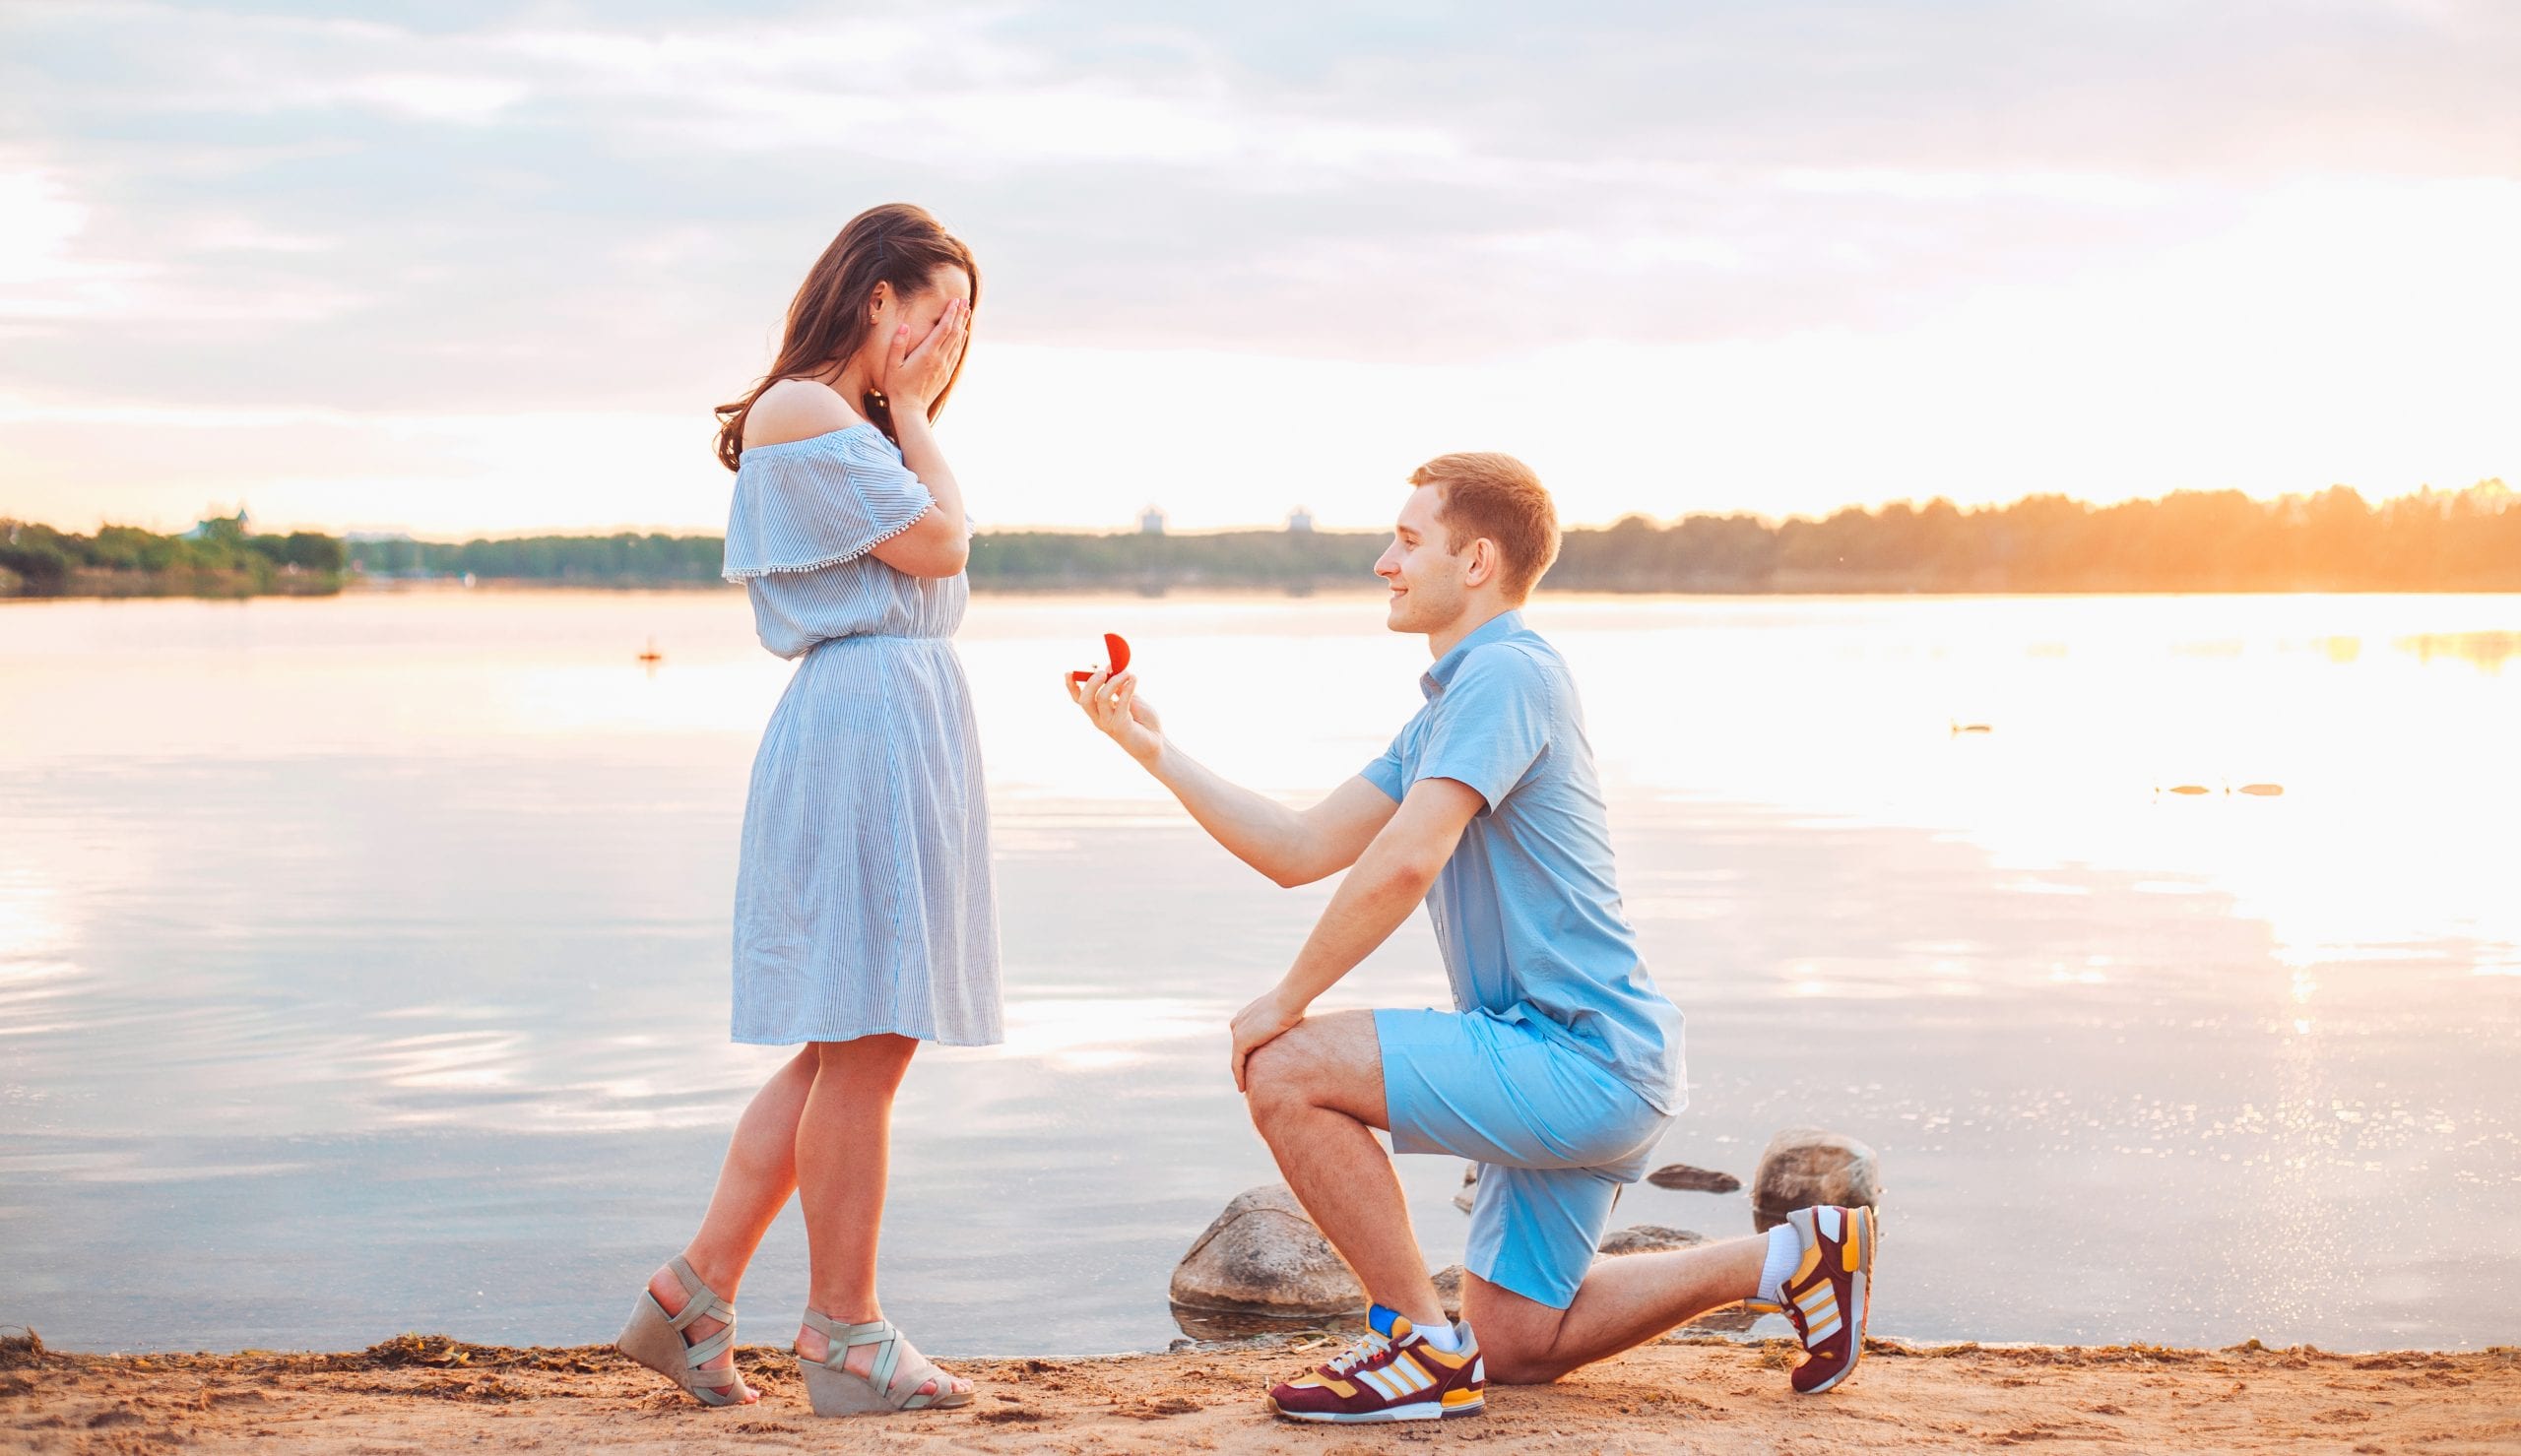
<point x="1442" y="1336"/>
<point x="1785" y="1250"/>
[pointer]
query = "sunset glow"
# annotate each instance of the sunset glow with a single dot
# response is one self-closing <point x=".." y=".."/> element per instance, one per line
<point x="489" y="276"/>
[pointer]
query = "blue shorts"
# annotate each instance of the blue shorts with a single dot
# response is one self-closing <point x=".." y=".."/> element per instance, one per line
<point x="1556" y="1134"/>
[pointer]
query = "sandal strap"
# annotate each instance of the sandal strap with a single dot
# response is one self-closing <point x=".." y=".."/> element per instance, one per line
<point x="699" y="1302"/>
<point x="889" y="1357"/>
<point x="697" y="1354"/>
<point x="889" y="1342"/>
<point x="819" y="1324"/>
<point x="834" y="1338"/>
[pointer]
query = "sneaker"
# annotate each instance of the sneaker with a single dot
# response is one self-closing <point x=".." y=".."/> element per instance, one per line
<point x="1391" y="1373"/>
<point x="1828" y="1295"/>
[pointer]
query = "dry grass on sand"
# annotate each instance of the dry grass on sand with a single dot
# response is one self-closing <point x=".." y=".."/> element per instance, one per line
<point x="421" y="1393"/>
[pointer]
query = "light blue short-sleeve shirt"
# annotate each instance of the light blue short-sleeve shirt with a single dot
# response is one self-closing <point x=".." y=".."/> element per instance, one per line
<point x="1527" y="910"/>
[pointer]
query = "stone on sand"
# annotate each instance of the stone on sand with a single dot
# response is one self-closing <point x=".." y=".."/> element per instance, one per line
<point x="1805" y="1165"/>
<point x="1264" y="1256"/>
<point x="1647" y="1239"/>
<point x="1683" y="1179"/>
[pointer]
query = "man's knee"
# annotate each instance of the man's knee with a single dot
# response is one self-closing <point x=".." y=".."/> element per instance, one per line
<point x="1512" y="1364"/>
<point x="1519" y="1353"/>
<point x="1329" y="1061"/>
<point x="1518" y="1336"/>
<point x="1274" y="1081"/>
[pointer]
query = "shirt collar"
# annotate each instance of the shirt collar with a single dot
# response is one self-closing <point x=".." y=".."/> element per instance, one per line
<point x="1502" y="624"/>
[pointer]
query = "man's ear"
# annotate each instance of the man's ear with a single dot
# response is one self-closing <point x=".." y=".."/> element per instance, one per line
<point x="1483" y="563"/>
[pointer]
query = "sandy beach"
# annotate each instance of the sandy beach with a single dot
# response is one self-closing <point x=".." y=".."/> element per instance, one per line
<point x="421" y="1393"/>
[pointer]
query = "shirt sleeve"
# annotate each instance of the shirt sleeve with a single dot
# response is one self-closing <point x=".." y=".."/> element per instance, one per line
<point x="1385" y="773"/>
<point x="1491" y="725"/>
<point x="805" y="509"/>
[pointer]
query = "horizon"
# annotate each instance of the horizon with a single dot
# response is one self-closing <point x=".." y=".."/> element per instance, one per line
<point x="395" y="269"/>
<point x="217" y="511"/>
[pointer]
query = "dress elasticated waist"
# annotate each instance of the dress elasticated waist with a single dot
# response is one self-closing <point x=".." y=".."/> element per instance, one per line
<point x="941" y="638"/>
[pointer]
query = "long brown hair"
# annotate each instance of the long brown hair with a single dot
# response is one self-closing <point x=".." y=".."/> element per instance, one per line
<point x="831" y="316"/>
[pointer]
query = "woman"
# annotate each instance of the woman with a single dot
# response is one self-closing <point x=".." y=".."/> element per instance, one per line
<point x="865" y="922"/>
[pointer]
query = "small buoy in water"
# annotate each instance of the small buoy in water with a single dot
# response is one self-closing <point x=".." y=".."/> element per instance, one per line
<point x="2264" y="791"/>
<point x="652" y="656"/>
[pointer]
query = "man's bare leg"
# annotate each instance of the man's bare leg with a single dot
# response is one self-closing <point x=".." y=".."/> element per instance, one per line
<point x="1315" y="1094"/>
<point x="1623" y="1302"/>
<point x="1317" y="1091"/>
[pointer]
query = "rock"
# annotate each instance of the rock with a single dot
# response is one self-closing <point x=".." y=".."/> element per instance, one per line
<point x="1804" y="1165"/>
<point x="1264" y="1256"/>
<point x="1470" y="1180"/>
<point x="1683" y="1179"/>
<point x="1647" y="1239"/>
<point x="1447" y="1282"/>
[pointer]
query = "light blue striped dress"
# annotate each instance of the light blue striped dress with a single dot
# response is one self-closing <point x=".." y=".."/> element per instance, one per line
<point x="863" y="900"/>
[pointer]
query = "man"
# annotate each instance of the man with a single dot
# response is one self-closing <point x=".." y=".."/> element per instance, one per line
<point x="1561" y="1064"/>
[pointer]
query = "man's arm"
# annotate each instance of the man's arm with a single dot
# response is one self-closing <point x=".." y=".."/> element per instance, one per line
<point x="1392" y="877"/>
<point x="1292" y="847"/>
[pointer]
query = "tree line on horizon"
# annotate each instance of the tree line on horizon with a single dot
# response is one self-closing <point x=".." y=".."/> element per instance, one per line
<point x="217" y="558"/>
<point x="2186" y="542"/>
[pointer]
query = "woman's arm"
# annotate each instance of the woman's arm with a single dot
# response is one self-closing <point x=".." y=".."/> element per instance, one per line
<point x="940" y="542"/>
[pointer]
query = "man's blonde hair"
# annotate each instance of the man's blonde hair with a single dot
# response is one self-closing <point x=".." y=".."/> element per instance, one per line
<point x="1482" y="493"/>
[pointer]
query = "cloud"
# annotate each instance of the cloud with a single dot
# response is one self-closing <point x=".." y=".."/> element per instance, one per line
<point x="461" y="211"/>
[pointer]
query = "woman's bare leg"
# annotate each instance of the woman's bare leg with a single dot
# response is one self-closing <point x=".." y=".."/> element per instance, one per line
<point x="844" y="1144"/>
<point x="754" y="1184"/>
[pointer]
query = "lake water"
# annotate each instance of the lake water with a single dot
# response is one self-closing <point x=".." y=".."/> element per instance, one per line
<point x="348" y="948"/>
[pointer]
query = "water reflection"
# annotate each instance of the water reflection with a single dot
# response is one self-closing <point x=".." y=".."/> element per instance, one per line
<point x="357" y="942"/>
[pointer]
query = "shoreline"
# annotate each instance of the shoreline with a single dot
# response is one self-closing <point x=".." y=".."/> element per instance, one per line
<point x="1696" y="1393"/>
<point x="355" y="586"/>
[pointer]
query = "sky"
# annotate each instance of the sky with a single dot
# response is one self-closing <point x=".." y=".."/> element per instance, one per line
<point x="460" y="269"/>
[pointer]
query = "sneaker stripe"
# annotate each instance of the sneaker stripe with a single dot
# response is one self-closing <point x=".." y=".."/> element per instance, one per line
<point x="1819" y="1307"/>
<point x="1412" y="1371"/>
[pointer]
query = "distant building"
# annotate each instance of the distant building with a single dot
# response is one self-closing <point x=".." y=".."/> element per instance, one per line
<point x="1300" y="521"/>
<point x="209" y="526"/>
<point x="1152" y="522"/>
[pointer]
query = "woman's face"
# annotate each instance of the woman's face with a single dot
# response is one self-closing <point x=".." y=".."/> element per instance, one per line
<point x="947" y="285"/>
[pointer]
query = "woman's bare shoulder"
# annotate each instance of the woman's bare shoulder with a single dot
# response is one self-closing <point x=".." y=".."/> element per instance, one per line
<point x="796" y="410"/>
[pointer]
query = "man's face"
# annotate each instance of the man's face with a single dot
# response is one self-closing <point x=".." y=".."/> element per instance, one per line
<point x="1428" y="594"/>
